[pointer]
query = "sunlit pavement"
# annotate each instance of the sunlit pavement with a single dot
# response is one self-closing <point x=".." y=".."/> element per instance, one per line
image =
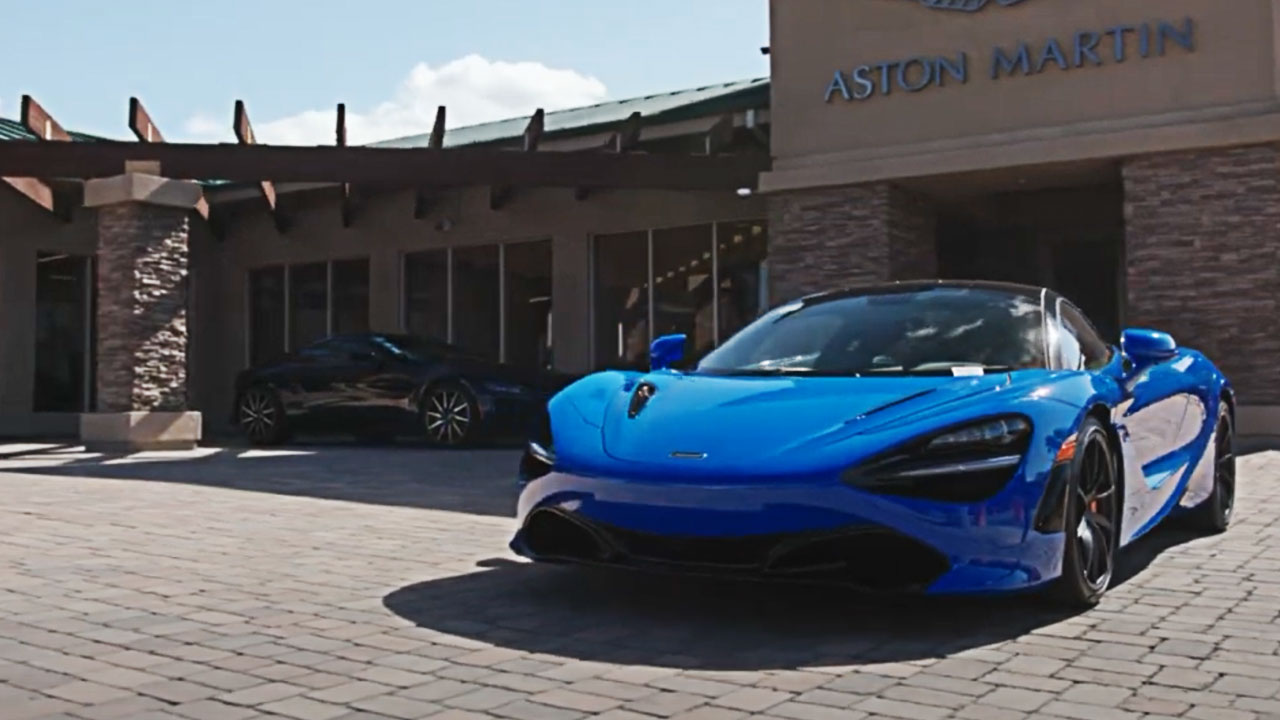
<point x="320" y="583"/>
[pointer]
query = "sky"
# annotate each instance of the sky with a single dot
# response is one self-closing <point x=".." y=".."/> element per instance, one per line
<point x="391" y="61"/>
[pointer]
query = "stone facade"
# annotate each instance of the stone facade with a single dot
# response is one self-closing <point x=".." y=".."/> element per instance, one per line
<point x="1203" y="258"/>
<point x="830" y="238"/>
<point x="142" y="307"/>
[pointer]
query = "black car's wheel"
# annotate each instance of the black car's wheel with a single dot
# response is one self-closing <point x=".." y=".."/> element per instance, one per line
<point x="449" y="415"/>
<point x="1093" y="520"/>
<point x="1214" y="514"/>
<point x="261" y="416"/>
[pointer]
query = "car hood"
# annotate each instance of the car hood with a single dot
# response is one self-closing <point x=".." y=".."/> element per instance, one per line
<point x="744" y="422"/>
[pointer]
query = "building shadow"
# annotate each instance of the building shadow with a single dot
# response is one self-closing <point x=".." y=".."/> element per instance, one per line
<point x="642" y="618"/>
<point x="479" y="481"/>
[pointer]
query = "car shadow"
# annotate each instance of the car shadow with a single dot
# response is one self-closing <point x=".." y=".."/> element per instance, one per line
<point x="616" y="616"/>
<point x="477" y="481"/>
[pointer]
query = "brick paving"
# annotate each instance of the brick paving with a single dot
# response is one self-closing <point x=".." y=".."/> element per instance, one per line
<point x="376" y="583"/>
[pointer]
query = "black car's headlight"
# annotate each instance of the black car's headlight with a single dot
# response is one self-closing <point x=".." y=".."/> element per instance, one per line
<point x="960" y="464"/>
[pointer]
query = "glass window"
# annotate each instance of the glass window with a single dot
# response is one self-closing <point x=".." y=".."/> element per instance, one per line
<point x="351" y="296"/>
<point x="742" y="247"/>
<point x="475" y="299"/>
<point x="1089" y="349"/>
<point x="308" y="303"/>
<point x="934" y="330"/>
<point x="64" y="351"/>
<point x="622" y="300"/>
<point x="528" y="297"/>
<point x="682" y="287"/>
<point x="266" y="314"/>
<point x="426" y="294"/>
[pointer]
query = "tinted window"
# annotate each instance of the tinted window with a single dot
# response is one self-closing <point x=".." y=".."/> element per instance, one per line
<point x="1079" y="337"/>
<point x="897" y="331"/>
<point x="338" y="349"/>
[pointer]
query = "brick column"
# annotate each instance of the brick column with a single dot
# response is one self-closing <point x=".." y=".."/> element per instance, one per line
<point x="143" y="235"/>
<point x="830" y="238"/>
<point x="1202" y="242"/>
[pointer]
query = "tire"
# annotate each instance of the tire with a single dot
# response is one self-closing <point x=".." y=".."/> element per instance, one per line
<point x="1093" y="521"/>
<point x="260" y="416"/>
<point x="1214" y="515"/>
<point x="449" y="415"/>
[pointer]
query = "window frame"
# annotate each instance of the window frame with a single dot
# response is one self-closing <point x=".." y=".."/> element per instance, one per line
<point x="287" y="300"/>
<point x="1060" y="326"/>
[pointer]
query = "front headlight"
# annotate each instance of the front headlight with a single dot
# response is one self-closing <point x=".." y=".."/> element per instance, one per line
<point x="540" y="451"/>
<point x="963" y="464"/>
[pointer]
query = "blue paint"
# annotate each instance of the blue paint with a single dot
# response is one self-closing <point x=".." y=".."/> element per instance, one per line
<point x="772" y="453"/>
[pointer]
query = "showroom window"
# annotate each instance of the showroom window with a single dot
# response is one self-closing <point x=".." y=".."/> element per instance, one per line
<point x="708" y="281"/>
<point x="491" y="300"/>
<point x="291" y="306"/>
<point x="64" y="327"/>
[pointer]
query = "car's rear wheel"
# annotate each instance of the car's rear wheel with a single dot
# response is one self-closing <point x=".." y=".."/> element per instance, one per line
<point x="449" y="415"/>
<point x="1093" y="520"/>
<point x="1214" y="514"/>
<point x="261" y="416"/>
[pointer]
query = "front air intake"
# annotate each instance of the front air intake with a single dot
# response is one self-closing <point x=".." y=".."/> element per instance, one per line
<point x="551" y="535"/>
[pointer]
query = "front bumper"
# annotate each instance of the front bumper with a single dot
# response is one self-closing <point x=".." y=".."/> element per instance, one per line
<point x="820" y="531"/>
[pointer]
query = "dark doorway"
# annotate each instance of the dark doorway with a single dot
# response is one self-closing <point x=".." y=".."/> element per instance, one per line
<point x="1070" y="240"/>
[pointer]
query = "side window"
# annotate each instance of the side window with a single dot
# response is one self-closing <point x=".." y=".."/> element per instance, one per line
<point x="337" y="350"/>
<point x="1092" y="349"/>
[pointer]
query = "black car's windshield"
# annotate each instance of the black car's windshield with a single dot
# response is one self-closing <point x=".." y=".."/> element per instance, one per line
<point x="415" y="347"/>
<point x="947" y="330"/>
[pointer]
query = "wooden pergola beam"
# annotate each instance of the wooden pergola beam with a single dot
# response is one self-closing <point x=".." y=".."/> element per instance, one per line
<point x="720" y="136"/>
<point x="404" y="167"/>
<point x="340" y="139"/>
<point x="422" y="195"/>
<point x="624" y="139"/>
<point x="244" y="135"/>
<point x="143" y="128"/>
<point x="500" y="195"/>
<point x="40" y="123"/>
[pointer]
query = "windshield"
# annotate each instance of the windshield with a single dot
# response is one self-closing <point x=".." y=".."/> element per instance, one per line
<point x="414" y="347"/>
<point x="943" y="330"/>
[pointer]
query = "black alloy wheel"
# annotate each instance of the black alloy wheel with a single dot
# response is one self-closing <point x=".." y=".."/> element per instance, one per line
<point x="261" y="416"/>
<point x="1214" y="514"/>
<point x="1093" y="520"/>
<point x="449" y="415"/>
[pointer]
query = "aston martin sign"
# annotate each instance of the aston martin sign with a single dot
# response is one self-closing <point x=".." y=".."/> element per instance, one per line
<point x="966" y="5"/>
<point x="1067" y="52"/>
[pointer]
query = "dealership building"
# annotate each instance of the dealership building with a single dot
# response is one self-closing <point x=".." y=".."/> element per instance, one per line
<point x="1124" y="154"/>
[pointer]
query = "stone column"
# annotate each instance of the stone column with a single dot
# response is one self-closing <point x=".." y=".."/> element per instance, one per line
<point x="143" y="235"/>
<point x="834" y="237"/>
<point x="1203" y="264"/>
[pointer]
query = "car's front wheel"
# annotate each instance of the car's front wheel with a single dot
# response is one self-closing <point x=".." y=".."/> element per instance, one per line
<point x="449" y="415"/>
<point x="1093" y="520"/>
<point x="261" y="416"/>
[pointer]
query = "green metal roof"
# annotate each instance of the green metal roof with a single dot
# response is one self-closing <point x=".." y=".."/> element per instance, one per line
<point x="14" y="130"/>
<point x="665" y="107"/>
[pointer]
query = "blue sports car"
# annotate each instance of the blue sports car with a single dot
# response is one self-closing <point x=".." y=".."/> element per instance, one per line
<point x="936" y="437"/>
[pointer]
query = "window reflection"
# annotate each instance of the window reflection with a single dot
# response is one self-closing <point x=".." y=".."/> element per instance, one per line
<point x="528" y="298"/>
<point x="621" y="299"/>
<point x="475" y="299"/>
<point x="682" y="287"/>
<point x="64" y="353"/>
<point x="743" y="247"/>
<point x="351" y="296"/>
<point x="426" y="279"/>
<point x="266" y="314"/>
<point x="308" y="303"/>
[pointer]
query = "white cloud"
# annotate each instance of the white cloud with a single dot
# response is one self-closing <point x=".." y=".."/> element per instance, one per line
<point x="474" y="89"/>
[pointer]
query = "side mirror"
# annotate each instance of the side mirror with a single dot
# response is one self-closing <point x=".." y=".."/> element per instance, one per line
<point x="666" y="351"/>
<point x="1147" y="347"/>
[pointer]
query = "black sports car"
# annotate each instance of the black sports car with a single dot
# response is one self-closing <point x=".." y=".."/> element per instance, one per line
<point x="376" y="386"/>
